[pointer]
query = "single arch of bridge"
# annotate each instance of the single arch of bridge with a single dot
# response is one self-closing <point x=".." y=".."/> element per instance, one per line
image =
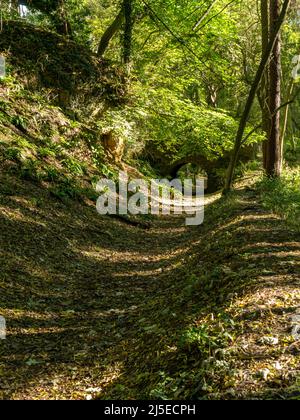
<point x="214" y="180"/>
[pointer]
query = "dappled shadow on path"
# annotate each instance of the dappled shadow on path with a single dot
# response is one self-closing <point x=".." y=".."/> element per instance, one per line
<point x="92" y="302"/>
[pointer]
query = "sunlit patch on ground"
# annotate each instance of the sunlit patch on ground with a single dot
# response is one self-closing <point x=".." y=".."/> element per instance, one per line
<point x="99" y="309"/>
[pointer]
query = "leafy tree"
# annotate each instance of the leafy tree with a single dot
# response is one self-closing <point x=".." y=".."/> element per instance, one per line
<point x="277" y="23"/>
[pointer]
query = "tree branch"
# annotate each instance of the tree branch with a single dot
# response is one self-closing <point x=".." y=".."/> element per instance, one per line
<point x="110" y="32"/>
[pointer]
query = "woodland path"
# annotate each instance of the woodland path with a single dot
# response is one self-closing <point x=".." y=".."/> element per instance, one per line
<point x="95" y="307"/>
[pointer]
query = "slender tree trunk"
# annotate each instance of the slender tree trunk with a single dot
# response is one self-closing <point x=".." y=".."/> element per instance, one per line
<point x="274" y="158"/>
<point x="127" y="32"/>
<point x="62" y="23"/>
<point x="264" y="94"/>
<point x="110" y="32"/>
<point x="205" y="14"/>
<point x="286" y="116"/>
<point x="251" y="97"/>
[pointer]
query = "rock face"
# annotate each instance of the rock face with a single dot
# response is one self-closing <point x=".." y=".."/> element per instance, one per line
<point x="114" y="146"/>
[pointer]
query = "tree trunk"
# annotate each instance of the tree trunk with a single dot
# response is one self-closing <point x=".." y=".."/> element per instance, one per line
<point x="286" y="116"/>
<point x="110" y="32"/>
<point x="251" y="97"/>
<point x="264" y="93"/>
<point x="274" y="158"/>
<point x="62" y="23"/>
<point x="127" y="32"/>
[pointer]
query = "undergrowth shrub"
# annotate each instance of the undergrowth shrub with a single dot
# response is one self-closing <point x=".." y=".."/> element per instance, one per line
<point x="283" y="195"/>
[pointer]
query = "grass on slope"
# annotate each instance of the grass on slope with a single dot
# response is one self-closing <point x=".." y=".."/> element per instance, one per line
<point x="39" y="142"/>
<point x="283" y="196"/>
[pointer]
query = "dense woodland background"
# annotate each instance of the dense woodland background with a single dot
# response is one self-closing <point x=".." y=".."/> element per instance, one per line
<point x="144" y="307"/>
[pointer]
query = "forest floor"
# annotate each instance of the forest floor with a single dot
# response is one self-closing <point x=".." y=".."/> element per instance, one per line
<point x="96" y="308"/>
